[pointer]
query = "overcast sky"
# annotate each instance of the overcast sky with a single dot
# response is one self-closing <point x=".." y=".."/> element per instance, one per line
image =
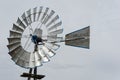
<point x="100" y="62"/>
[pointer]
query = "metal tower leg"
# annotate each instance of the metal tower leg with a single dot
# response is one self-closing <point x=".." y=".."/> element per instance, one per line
<point x="30" y="72"/>
<point x="35" y="72"/>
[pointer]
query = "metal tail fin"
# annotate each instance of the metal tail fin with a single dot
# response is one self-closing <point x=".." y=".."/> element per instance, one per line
<point x="79" y="38"/>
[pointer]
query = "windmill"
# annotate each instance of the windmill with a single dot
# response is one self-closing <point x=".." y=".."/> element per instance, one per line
<point x="36" y="36"/>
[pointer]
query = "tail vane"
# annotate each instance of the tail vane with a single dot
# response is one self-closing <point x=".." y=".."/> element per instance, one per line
<point x="79" y="38"/>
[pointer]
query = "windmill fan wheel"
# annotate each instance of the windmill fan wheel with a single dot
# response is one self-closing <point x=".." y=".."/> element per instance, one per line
<point x="33" y="36"/>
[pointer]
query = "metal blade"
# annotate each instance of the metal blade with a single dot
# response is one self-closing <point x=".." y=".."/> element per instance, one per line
<point x="38" y="59"/>
<point x="34" y="14"/>
<point x="53" y="20"/>
<point x="39" y="13"/>
<point x="32" y="60"/>
<point x="17" y="54"/>
<point x="13" y="40"/>
<point x="48" y="51"/>
<point x="19" y="22"/>
<point x="29" y="16"/>
<point x="49" y="37"/>
<point x="79" y="38"/>
<point x="44" y="15"/>
<point x="24" y="18"/>
<point x="13" y="52"/>
<point x="15" y="33"/>
<point x="17" y="28"/>
<point x="13" y="46"/>
<point x="52" y="46"/>
<point x="49" y="16"/>
<point x="55" y="26"/>
<point x="43" y="55"/>
<point x="56" y="32"/>
<point x="25" y="57"/>
<point x="20" y="63"/>
<point x="51" y="53"/>
<point x="23" y="36"/>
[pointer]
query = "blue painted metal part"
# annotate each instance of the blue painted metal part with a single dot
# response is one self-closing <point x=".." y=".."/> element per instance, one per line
<point x="34" y="38"/>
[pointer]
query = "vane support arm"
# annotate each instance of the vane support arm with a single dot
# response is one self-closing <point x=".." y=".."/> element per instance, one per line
<point x="65" y="40"/>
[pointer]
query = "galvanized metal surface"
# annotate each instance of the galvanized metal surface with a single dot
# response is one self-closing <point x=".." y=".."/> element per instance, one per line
<point x="36" y="58"/>
<point x="79" y="38"/>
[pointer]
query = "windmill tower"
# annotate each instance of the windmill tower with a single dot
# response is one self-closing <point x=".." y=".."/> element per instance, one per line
<point x="35" y="36"/>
